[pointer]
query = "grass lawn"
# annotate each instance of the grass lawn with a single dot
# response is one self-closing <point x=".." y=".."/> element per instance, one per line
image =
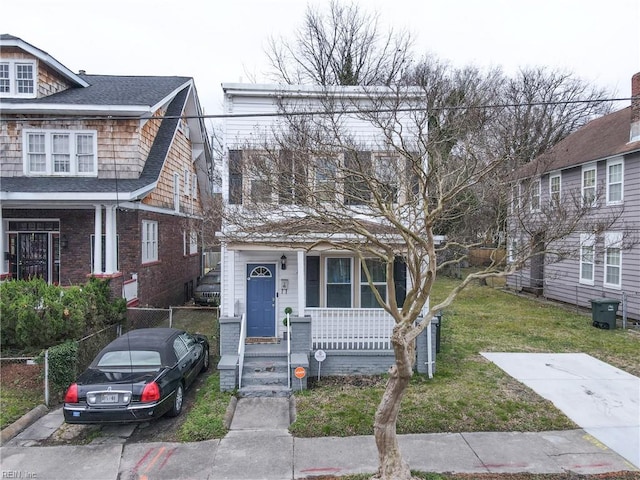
<point x="468" y="393"/>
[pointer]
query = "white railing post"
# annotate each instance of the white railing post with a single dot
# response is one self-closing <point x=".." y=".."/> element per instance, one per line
<point x="46" y="377"/>
<point x="241" y="347"/>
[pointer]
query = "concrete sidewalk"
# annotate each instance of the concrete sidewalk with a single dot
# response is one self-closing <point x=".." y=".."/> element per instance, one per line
<point x="259" y="446"/>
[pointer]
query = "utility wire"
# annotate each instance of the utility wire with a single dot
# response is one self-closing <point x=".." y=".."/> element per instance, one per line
<point x="311" y="112"/>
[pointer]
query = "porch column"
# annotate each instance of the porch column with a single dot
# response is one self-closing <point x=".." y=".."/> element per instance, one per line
<point x="111" y="263"/>
<point x="302" y="280"/>
<point x="97" y="242"/>
<point x="3" y="260"/>
<point x="230" y="274"/>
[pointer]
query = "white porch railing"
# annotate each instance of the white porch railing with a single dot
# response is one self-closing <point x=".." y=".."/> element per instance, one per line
<point x="350" y="328"/>
<point x="241" y="347"/>
<point x="130" y="288"/>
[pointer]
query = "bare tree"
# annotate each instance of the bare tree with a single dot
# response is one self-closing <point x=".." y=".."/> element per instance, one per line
<point x="316" y="183"/>
<point x="345" y="46"/>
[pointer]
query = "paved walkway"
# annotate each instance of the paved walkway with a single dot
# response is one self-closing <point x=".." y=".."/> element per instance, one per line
<point x="259" y="446"/>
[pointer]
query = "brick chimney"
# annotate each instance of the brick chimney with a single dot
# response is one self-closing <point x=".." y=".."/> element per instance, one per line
<point x="635" y="108"/>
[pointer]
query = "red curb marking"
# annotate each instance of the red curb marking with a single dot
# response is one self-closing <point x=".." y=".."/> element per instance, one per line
<point x="141" y="461"/>
<point x="169" y="453"/>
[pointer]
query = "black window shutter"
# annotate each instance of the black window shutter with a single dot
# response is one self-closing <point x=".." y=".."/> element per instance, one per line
<point x="313" y="281"/>
<point x="400" y="280"/>
<point x="235" y="177"/>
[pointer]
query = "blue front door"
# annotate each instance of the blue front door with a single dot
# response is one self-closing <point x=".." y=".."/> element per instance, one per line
<point x="261" y="300"/>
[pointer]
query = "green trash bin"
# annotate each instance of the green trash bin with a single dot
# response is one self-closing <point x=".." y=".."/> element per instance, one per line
<point x="603" y="312"/>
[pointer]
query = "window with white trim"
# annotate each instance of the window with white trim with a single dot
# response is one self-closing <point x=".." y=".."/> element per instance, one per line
<point x="587" y="242"/>
<point x="387" y="174"/>
<point x="149" y="241"/>
<point x="613" y="260"/>
<point x="535" y="196"/>
<point x="194" y="186"/>
<point x="18" y="78"/>
<point x="515" y="198"/>
<point x="176" y="192"/>
<point x="589" y="178"/>
<point x="615" y="178"/>
<point x="339" y="284"/>
<point x="325" y="178"/>
<point x="555" y="185"/>
<point x="187" y="182"/>
<point x="193" y="242"/>
<point x="378" y="272"/>
<point x="60" y="153"/>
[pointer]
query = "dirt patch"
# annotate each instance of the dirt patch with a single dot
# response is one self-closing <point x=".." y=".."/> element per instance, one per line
<point x="347" y="381"/>
<point x="21" y="375"/>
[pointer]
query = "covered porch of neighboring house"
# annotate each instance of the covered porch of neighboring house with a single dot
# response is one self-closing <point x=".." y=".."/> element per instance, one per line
<point x="274" y="358"/>
<point x="47" y="240"/>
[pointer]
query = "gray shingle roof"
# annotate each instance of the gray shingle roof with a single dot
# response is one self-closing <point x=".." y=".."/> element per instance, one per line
<point x="150" y="173"/>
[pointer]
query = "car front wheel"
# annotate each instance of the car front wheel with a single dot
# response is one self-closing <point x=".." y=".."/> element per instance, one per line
<point x="178" y="399"/>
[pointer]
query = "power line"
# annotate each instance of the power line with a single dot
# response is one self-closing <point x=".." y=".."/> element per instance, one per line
<point x="324" y="112"/>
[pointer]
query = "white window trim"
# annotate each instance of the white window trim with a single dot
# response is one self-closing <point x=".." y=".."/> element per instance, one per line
<point x="176" y="191"/>
<point x="535" y="192"/>
<point x="612" y="240"/>
<point x="557" y="175"/>
<point x="364" y="282"/>
<point x="611" y="162"/>
<point x="351" y="276"/>
<point x="149" y="245"/>
<point x="587" y="240"/>
<point x="586" y="168"/>
<point x="187" y="182"/>
<point x="193" y="242"/>
<point x="49" y="170"/>
<point x="194" y="186"/>
<point x="12" y="62"/>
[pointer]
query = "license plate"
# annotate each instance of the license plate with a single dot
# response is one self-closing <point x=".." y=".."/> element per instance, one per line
<point x="109" y="398"/>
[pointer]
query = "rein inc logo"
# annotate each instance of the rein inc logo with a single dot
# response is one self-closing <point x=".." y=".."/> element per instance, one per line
<point x="18" y="474"/>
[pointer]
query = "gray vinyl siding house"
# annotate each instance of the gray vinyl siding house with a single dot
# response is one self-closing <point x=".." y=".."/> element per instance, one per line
<point x="600" y="159"/>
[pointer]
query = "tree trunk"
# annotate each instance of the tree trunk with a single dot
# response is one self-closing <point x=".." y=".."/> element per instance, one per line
<point x="391" y="464"/>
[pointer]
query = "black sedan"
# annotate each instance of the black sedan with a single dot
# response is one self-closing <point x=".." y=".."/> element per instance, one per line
<point x="140" y="375"/>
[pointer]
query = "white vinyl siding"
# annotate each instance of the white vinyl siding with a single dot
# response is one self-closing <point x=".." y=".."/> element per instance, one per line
<point x="615" y="182"/>
<point x="60" y="153"/>
<point x="613" y="260"/>
<point x="149" y="241"/>
<point x="587" y="243"/>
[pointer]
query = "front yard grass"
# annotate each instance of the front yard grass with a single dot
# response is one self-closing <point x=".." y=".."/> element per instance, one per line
<point x="468" y="393"/>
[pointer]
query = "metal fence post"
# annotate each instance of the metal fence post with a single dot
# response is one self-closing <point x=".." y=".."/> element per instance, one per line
<point x="170" y="317"/>
<point x="46" y="377"/>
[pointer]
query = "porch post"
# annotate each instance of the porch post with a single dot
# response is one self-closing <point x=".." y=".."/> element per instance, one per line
<point x="97" y="242"/>
<point x="302" y="280"/>
<point x="230" y="274"/>
<point x="110" y="233"/>
<point x="3" y="260"/>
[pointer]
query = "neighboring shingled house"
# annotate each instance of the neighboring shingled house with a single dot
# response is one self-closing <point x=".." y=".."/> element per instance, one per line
<point x="599" y="165"/>
<point x="101" y="176"/>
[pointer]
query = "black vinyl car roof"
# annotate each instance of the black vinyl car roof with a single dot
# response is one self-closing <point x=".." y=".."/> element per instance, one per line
<point x="156" y="339"/>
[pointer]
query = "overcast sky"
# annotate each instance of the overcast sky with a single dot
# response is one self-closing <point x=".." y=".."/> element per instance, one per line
<point x="219" y="41"/>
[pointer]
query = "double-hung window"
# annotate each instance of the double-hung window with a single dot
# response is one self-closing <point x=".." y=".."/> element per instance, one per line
<point x="324" y="178"/>
<point x="339" y="283"/>
<point x="60" y="153"/>
<point x="587" y="242"/>
<point x="613" y="259"/>
<point x="555" y="185"/>
<point x="18" y="78"/>
<point x="515" y="198"/>
<point x="387" y="175"/>
<point x="535" y="196"/>
<point x="615" y="178"/>
<point x="589" y="185"/>
<point x="378" y="273"/>
<point x="149" y="241"/>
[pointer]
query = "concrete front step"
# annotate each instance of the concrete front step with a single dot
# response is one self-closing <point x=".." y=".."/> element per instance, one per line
<point x="264" y="391"/>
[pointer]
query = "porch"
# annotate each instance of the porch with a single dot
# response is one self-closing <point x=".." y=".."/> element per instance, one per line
<point x="350" y="342"/>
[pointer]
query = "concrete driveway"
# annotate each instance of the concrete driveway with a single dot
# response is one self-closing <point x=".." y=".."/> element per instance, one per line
<point x="601" y="399"/>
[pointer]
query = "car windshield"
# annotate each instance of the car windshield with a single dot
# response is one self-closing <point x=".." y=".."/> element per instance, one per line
<point x="210" y="279"/>
<point x="130" y="358"/>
